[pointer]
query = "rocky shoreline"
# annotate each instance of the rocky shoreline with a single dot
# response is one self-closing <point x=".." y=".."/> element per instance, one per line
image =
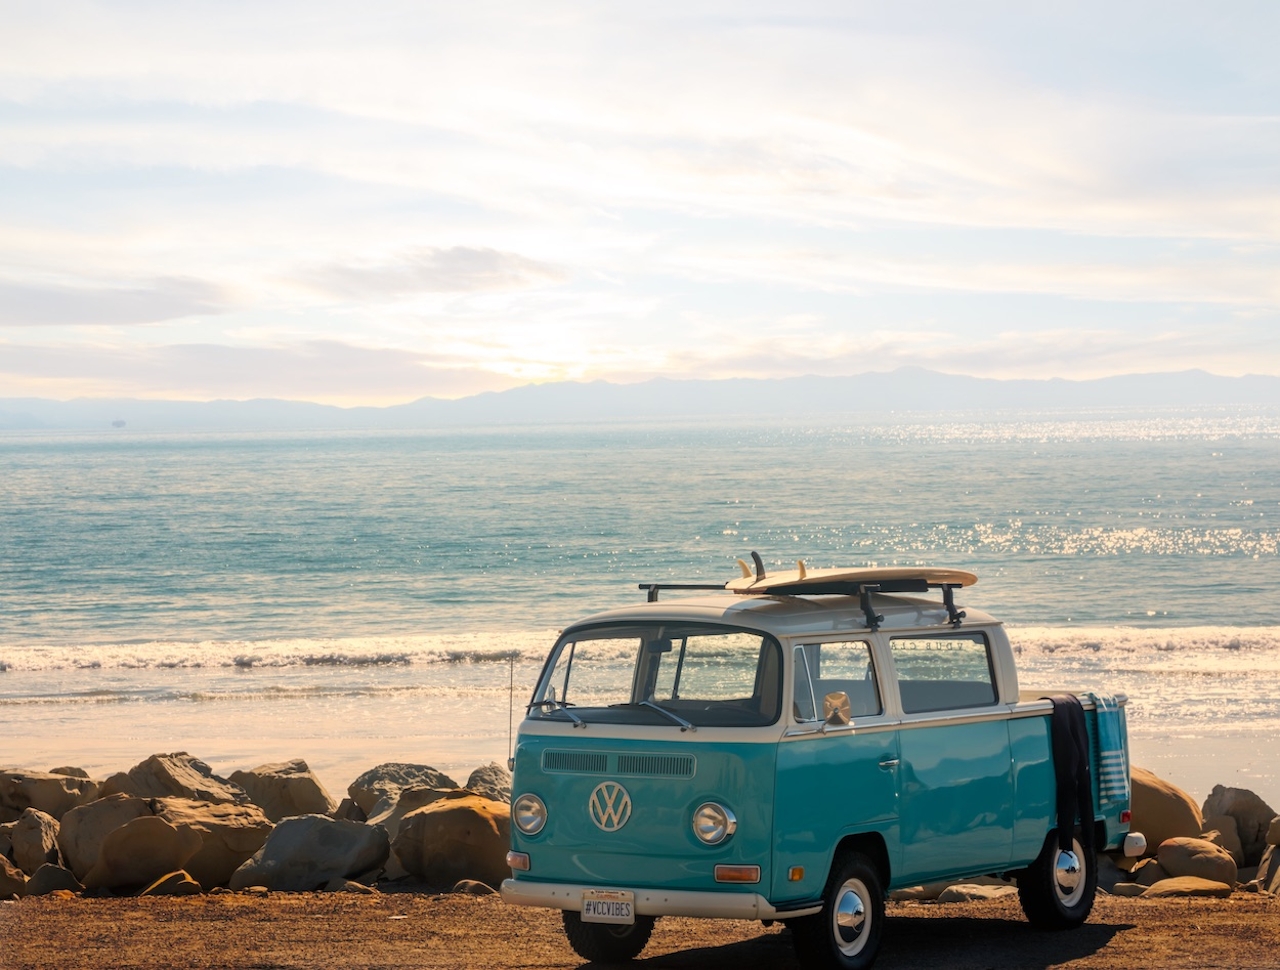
<point x="170" y="826"/>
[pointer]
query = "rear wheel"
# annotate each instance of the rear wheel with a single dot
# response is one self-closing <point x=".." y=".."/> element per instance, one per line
<point x="846" y="934"/>
<point x="606" y="942"/>
<point x="1057" y="890"/>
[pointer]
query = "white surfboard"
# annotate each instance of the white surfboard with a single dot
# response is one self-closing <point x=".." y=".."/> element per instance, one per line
<point x="796" y="579"/>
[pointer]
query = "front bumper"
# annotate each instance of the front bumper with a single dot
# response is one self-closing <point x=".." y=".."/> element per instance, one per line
<point x="654" y="902"/>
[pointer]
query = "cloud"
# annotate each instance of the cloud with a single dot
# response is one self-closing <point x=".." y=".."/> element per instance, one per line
<point x="553" y="190"/>
<point x="328" y="372"/>
<point x="459" y="269"/>
<point x="169" y="298"/>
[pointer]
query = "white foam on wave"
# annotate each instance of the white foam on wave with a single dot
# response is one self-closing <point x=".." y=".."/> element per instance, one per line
<point x="383" y="651"/>
<point x="1184" y="647"/>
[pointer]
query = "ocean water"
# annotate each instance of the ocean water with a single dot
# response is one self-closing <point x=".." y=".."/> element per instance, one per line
<point x="355" y="598"/>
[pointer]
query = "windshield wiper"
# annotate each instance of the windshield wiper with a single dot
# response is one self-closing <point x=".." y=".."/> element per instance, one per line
<point x="563" y="707"/>
<point x="684" y="725"/>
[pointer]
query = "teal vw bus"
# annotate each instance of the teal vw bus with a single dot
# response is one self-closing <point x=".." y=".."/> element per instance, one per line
<point x="793" y="747"/>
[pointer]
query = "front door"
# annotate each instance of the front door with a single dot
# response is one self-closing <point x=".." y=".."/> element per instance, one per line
<point x="834" y="782"/>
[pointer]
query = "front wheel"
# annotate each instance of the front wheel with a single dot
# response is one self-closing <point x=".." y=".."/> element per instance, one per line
<point x="606" y="942"/>
<point x="846" y="934"/>
<point x="1057" y="890"/>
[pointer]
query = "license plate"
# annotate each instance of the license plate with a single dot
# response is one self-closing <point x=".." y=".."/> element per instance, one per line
<point x="608" y="906"/>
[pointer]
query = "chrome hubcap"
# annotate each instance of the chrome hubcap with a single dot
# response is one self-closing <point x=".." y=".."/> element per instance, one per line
<point x="851" y="916"/>
<point x="1067" y="871"/>
<point x="1069" y="874"/>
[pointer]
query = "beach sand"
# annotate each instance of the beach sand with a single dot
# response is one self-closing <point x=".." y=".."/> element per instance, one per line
<point x="306" y="930"/>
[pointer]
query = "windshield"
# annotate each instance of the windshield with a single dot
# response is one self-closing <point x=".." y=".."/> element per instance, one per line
<point x="682" y="675"/>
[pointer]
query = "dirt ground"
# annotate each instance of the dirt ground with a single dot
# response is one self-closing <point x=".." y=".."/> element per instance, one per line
<point x="406" y="930"/>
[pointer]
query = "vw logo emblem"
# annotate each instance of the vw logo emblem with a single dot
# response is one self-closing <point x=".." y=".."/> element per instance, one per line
<point x="609" y="805"/>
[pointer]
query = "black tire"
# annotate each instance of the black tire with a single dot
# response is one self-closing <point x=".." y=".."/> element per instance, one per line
<point x="846" y="934"/>
<point x="1054" y="902"/>
<point x="606" y="942"/>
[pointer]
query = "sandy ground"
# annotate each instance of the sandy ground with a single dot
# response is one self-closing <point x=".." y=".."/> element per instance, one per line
<point x="406" y="930"/>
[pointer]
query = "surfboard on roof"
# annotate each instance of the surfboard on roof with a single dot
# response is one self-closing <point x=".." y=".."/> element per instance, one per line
<point x="891" y="578"/>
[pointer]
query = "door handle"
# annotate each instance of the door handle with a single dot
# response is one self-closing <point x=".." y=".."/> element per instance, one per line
<point x="889" y="763"/>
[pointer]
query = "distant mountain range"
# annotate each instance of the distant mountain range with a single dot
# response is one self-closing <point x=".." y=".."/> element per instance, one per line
<point x="908" y="389"/>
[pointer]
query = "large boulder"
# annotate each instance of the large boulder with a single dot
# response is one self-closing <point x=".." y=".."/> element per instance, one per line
<point x="85" y="828"/>
<point x="230" y="835"/>
<point x="390" y="812"/>
<point x="285" y="789"/>
<point x="1197" y="857"/>
<point x="305" y="852"/>
<point x="460" y="836"/>
<point x="35" y="840"/>
<point x="73" y="772"/>
<point x="347" y="809"/>
<point x="175" y="775"/>
<point x="491" y="781"/>
<point x="1188" y="886"/>
<point x="53" y="794"/>
<point x="51" y="879"/>
<point x="1268" y="875"/>
<point x="1160" y="810"/>
<point x="1222" y="830"/>
<point x="13" y="881"/>
<point x="391" y="778"/>
<point x="1253" y="817"/>
<point x="140" y="852"/>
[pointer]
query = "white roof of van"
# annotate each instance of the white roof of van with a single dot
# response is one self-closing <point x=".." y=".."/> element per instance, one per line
<point x="787" y="616"/>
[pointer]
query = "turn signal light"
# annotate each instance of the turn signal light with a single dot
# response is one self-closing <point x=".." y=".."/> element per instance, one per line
<point x="795" y="874"/>
<point x="518" y="860"/>
<point x="737" y="873"/>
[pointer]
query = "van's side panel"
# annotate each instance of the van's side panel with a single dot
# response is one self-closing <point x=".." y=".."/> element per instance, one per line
<point x="1034" y="787"/>
<point x="830" y="786"/>
<point x="957" y="805"/>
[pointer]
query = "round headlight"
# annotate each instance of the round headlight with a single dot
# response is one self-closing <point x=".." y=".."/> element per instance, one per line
<point x="529" y="814"/>
<point x="713" y="823"/>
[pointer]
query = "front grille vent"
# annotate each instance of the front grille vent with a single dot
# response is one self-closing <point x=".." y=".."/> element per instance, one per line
<point x="667" y="765"/>
<point x="582" y="762"/>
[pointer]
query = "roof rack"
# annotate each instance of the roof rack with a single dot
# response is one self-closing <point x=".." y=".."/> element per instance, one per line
<point x="655" y="588"/>
<point x="840" y="582"/>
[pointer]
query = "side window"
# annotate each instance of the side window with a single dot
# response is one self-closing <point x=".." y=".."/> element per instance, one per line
<point x="846" y="667"/>
<point x="803" y="706"/>
<point x="941" y="673"/>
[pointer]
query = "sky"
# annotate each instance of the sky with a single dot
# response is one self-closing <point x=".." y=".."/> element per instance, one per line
<point x="373" y="203"/>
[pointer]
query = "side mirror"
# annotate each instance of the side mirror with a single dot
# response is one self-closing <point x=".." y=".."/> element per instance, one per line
<point x="835" y="708"/>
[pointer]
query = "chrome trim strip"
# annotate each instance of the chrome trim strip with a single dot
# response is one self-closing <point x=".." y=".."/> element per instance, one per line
<point x="802" y="733"/>
<point x="1038" y="709"/>
<point x="653" y="902"/>
<point x="1001" y="713"/>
